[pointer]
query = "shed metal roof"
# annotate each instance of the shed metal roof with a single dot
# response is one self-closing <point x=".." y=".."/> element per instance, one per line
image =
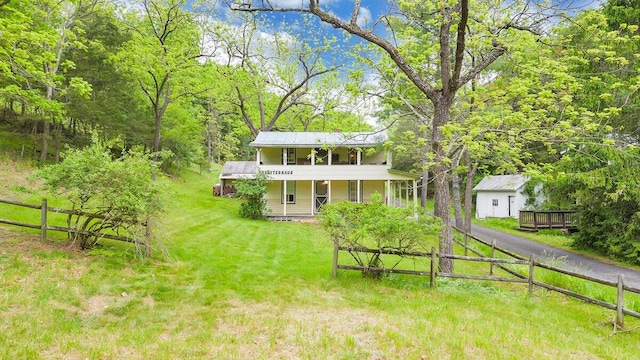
<point x="501" y="183"/>
<point x="313" y="139"/>
<point x="239" y="170"/>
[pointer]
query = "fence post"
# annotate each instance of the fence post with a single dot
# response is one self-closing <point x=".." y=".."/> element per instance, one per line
<point x="620" y="303"/>
<point x="493" y="252"/>
<point x="147" y="236"/>
<point x="466" y="242"/>
<point x="43" y="220"/>
<point x="334" y="271"/>
<point x="531" y="267"/>
<point x="432" y="280"/>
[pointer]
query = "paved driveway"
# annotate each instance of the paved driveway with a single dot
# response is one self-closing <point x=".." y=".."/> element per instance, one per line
<point x="548" y="254"/>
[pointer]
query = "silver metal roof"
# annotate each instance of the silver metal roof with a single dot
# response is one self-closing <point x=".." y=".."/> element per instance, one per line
<point x="501" y="183"/>
<point x="317" y="139"/>
<point x="239" y="170"/>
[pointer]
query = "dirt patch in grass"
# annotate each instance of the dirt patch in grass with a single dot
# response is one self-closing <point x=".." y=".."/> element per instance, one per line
<point x="284" y="332"/>
<point x="12" y="241"/>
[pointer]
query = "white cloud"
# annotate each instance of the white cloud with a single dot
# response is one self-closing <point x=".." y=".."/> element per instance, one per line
<point x="364" y="17"/>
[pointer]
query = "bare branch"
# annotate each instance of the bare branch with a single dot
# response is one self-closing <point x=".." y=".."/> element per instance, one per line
<point x="355" y="13"/>
<point x="354" y="29"/>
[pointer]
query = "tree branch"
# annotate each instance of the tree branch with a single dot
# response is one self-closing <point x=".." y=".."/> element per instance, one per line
<point x="389" y="48"/>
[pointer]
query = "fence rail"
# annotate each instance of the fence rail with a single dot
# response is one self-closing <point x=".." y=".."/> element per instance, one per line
<point x="518" y="277"/>
<point x="44" y="226"/>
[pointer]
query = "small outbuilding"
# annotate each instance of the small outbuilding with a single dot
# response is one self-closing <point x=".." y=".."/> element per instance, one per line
<point x="501" y="196"/>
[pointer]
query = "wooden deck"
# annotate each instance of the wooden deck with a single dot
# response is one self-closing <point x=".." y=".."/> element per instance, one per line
<point x="553" y="219"/>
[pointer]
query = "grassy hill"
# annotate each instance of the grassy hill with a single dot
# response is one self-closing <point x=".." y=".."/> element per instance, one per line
<point x="240" y="289"/>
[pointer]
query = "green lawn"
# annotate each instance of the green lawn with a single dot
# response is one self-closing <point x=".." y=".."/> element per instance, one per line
<point x="240" y="289"/>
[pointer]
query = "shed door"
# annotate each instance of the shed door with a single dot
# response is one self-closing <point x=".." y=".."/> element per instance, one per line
<point x="512" y="207"/>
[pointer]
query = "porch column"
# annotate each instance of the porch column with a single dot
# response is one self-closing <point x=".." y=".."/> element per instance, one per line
<point x="284" y="157"/>
<point x="358" y="199"/>
<point x="284" y="195"/>
<point x="406" y="183"/>
<point x="313" y="198"/>
<point x="388" y="192"/>
<point x="329" y="192"/>
<point x="329" y="157"/>
<point x="313" y="156"/>
<point x="358" y="157"/>
<point x="258" y="157"/>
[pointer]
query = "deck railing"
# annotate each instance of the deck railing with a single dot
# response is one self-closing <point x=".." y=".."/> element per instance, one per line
<point x="552" y="219"/>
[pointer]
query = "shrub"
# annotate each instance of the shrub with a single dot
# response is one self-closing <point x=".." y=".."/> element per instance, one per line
<point x="119" y="191"/>
<point x="252" y="191"/>
<point x="378" y="226"/>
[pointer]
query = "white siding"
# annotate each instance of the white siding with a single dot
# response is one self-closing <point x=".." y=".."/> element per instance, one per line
<point x="485" y="203"/>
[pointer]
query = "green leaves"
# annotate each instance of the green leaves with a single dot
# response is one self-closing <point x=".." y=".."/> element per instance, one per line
<point x="119" y="190"/>
<point x="252" y="191"/>
<point x="378" y="226"/>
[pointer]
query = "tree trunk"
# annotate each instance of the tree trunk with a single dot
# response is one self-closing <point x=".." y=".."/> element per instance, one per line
<point x="442" y="197"/>
<point x="468" y="193"/>
<point x="457" y="200"/>
<point x="209" y="140"/>
<point x="46" y="130"/>
<point x="425" y="187"/>
<point x="44" y="149"/>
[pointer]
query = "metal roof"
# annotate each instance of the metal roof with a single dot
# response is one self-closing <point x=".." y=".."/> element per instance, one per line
<point x="239" y="170"/>
<point x="317" y="139"/>
<point x="501" y="183"/>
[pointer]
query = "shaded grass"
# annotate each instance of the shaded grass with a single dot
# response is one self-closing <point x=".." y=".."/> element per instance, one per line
<point x="240" y="289"/>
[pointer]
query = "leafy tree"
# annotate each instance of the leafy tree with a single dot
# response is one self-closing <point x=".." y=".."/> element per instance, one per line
<point x="603" y="185"/>
<point x="458" y="32"/>
<point x="38" y="34"/>
<point x="161" y="54"/>
<point x="377" y="226"/>
<point x="112" y="109"/>
<point x="598" y="178"/>
<point x="280" y="81"/>
<point x="120" y="192"/>
<point x="252" y="192"/>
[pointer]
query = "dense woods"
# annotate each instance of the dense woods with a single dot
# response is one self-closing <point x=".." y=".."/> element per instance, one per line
<point x="465" y="88"/>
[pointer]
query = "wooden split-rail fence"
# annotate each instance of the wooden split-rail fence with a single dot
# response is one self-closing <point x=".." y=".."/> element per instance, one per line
<point x="45" y="226"/>
<point x="527" y="277"/>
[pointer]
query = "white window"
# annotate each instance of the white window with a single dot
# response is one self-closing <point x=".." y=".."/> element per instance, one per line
<point x="495" y="202"/>
<point x="353" y="191"/>
<point x="289" y="194"/>
<point x="291" y="155"/>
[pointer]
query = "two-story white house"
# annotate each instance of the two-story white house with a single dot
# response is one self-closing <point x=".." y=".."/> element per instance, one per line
<point x="310" y="169"/>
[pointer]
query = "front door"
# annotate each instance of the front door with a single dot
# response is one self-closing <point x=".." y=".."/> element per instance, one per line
<point x="321" y="194"/>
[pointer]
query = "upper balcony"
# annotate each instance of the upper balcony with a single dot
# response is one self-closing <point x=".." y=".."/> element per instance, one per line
<point x="321" y="157"/>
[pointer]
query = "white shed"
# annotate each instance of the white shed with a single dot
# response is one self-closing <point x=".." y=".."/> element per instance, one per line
<point x="500" y="196"/>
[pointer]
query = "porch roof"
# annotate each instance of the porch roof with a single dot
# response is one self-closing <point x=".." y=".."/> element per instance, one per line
<point x="239" y="170"/>
<point x="317" y="139"/>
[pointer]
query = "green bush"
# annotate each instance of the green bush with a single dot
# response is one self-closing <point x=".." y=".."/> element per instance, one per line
<point x="378" y="226"/>
<point x="119" y="191"/>
<point x="252" y="191"/>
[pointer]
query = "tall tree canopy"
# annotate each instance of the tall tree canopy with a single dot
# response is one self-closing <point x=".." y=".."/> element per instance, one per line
<point x="465" y="36"/>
